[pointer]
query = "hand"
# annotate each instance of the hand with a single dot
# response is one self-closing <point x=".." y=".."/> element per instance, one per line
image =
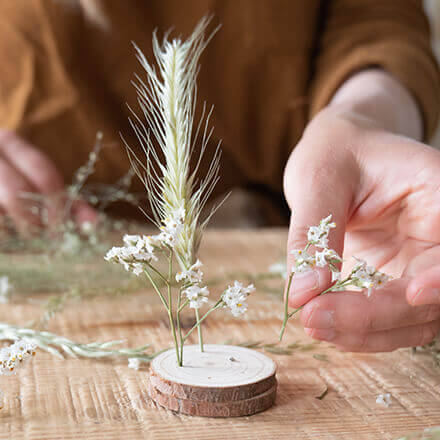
<point x="383" y="192"/>
<point x="24" y="169"/>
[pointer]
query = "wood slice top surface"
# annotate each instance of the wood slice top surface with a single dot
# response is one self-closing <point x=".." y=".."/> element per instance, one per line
<point x="218" y="366"/>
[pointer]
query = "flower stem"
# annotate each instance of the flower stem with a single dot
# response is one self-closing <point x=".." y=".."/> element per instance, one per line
<point x="179" y="327"/>
<point x="158" y="274"/>
<point x="199" y="321"/>
<point x="338" y="284"/>
<point x="170" y="311"/>
<point x="199" y="331"/>
<point x="156" y="289"/>
<point x="286" y="307"/>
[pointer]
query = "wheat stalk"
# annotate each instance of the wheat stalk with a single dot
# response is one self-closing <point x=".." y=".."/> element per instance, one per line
<point x="168" y="102"/>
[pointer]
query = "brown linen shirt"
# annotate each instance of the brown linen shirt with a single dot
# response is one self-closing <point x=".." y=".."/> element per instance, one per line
<point x="67" y="65"/>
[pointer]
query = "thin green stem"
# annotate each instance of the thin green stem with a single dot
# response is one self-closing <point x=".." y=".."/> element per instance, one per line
<point x="215" y="307"/>
<point x="286" y="307"/>
<point x="183" y="305"/>
<point x="339" y="284"/>
<point x="170" y="310"/>
<point x="199" y="330"/>
<point x="156" y="289"/>
<point x="179" y="327"/>
<point x="158" y="273"/>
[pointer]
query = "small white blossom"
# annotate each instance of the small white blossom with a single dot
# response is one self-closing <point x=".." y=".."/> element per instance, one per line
<point x="384" y="400"/>
<point x="318" y="235"/>
<point x="367" y="277"/>
<point x="11" y="357"/>
<point x="134" y="363"/>
<point x="235" y="297"/>
<point x="196" y="295"/>
<point x="5" y="290"/>
<point x="132" y="258"/>
<point x="172" y="227"/>
<point x="303" y="261"/>
<point x="131" y="240"/>
<point x="326" y="256"/>
<point x="192" y="275"/>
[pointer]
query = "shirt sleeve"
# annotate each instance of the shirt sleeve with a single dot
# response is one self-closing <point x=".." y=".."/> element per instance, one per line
<point x="390" y="34"/>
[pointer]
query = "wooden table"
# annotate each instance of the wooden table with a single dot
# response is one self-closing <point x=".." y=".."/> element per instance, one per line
<point x="86" y="399"/>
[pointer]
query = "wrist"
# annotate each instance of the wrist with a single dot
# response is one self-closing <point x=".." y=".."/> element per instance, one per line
<point x="377" y="97"/>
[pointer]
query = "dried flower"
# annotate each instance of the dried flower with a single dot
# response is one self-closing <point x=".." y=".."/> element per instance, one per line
<point x="362" y="275"/>
<point x="367" y="277"/>
<point x="191" y="275"/>
<point x="235" y="297"/>
<point x="318" y="235"/>
<point x="11" y="357"/>
<point x="176" y="195"/>
<point x="327" y="257"/>
<point x="132" y="258"/>
<point x="196" y="295"/>
<point x="303" y="261"/>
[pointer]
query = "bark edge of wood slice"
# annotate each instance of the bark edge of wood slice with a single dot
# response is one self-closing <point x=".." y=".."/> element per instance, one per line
<point x="222" y="381"/>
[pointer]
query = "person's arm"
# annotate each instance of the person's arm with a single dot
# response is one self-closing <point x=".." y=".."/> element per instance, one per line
<point x="376" y="95"/>
<point x="393" y="36"/>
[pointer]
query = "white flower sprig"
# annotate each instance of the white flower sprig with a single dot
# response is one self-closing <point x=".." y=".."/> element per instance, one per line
<point x="13" y="357"/>
<point x="361" y="276"/>
<point x="176" y="196"/>
<point x="58" y="345"/>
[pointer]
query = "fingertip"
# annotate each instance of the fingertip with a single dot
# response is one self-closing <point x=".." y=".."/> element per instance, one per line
<point x="308" y="285"/>
<point x="424" y="289"/>
<point x="424" y="296"/>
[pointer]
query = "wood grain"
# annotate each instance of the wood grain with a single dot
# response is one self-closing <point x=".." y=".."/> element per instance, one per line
<point x="221" y="381"/>
<point x="93" y="400"/>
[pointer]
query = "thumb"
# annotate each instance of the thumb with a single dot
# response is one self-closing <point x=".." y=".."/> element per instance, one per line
<point x="315" y="189"/>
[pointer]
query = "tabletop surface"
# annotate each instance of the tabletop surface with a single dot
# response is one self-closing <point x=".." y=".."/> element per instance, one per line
<point x="52" y="398"/>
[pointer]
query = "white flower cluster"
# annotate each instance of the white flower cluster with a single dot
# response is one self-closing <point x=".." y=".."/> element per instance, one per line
<point x="5" y="290"/>
<point x="317" y="236"/>
<point x="235" y="296"/>
<point x="192" y="275"/>
<point x="139" y="250"/>
<point x="11" y="357"/>
<point x="367" y="277"/>
<point x="194" y="291"/>
<point x="197" y="295"/>
<point x="362" y="275"/>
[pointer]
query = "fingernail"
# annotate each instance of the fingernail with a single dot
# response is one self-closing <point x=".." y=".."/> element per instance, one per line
<point x="426" y="296"/>
<point x="320" y="319"/>
<point x="321" y="334"/>
<point x="304" y="282"/>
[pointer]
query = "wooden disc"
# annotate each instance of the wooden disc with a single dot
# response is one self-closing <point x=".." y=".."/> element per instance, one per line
<point x="222" y="381"/>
